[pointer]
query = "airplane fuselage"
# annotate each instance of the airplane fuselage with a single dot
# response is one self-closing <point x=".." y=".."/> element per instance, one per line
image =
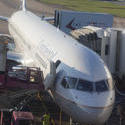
<point x="83" y="86"/>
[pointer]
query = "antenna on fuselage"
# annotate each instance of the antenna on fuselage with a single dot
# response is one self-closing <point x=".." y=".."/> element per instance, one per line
<point x="23" y="5"/>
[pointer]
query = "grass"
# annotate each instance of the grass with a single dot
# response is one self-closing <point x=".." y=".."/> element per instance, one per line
<point x="90" y="6"/>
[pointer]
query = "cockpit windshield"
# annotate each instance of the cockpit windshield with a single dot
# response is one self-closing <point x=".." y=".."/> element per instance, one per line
<point x="101" y="86"/>
<point x="87" y="86"/>
<point x="79" y="84"/>
<point x="69" y="82"/>
<point x="104" y="85"/>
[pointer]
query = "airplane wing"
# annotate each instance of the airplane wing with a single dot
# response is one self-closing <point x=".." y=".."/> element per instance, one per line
<point x="49" y="18"/>
<point x="2" y="18"/>
<point x="19" y="58"/>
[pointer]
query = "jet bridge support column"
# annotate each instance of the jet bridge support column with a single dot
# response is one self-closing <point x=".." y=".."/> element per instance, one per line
<point x="70" y="120"/>
<point x="3" y="54"/>
<point x="60" y="117"/>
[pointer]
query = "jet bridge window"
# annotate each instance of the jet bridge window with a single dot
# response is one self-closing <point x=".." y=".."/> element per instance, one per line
<point x="101" y="86"/>
<point x="84" y="85"/>
<point x="69" y="82"/>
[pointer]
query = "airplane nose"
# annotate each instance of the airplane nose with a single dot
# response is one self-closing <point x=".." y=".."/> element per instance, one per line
<point x="93" y="115"/>
<point x="101" y="115"/>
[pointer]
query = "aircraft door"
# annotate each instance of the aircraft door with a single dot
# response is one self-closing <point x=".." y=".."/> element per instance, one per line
<point x="59" y="77"/>
<point x="49" y="80"/>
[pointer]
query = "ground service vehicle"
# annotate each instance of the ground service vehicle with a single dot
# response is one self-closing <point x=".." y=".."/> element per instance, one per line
<point x="9" y="117"/>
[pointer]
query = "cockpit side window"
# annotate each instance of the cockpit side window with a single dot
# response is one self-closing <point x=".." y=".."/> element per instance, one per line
<point x="64" y="83"/>
<point x="69" y="82"/>
<point x="85" y="86"/>
<point x="101" y="86"/>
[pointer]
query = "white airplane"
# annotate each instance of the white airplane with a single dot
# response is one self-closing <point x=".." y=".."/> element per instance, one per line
<point x="82" y="85"/>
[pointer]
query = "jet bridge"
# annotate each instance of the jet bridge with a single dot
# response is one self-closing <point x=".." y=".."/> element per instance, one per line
<point x="108" y="43"/>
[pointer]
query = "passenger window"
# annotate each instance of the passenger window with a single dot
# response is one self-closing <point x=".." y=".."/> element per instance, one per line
<point x="101" y="86"/>
<point x="85" y="86"/>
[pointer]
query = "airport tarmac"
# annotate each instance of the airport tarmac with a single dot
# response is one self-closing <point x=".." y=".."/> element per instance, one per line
<point x="7" y="7"/>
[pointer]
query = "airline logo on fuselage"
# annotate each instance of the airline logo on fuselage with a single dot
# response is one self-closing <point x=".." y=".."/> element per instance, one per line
<point x="69" y="25"/>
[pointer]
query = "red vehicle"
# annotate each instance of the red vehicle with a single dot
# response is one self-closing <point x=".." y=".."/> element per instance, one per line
<point x="16" y="118"/>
